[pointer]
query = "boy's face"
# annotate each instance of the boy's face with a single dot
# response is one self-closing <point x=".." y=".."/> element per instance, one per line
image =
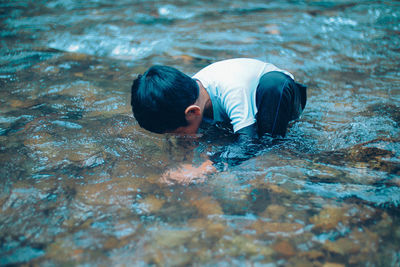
<point x="186" y="130"/>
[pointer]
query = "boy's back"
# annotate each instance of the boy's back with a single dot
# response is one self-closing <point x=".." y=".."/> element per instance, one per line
<point x="232" y="86"/>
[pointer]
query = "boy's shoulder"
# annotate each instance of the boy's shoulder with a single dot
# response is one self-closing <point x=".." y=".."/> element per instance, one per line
<point x="237" y="61"/>
<point x="232" y="66"/>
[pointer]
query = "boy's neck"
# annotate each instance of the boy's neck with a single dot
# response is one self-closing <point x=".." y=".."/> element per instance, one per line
<point x="204" y="101"/>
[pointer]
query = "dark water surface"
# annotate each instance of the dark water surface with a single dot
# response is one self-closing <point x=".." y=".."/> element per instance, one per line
<point x="80" y="181"/>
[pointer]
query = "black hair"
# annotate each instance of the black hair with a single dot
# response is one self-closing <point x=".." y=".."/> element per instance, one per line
<point x="160" y="96"/>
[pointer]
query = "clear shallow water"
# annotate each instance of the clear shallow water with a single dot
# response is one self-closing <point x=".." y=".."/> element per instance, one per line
<point x="80" y="181"/>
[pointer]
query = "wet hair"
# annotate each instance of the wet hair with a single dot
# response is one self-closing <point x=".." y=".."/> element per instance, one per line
<point x="160" y="96"/>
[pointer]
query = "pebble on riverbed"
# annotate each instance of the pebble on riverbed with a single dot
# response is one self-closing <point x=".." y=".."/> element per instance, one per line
<point x="275" y="212"/>
<point x="342" y="246"/>
<point x="275" y="228"/>
<point x="329" y="218"/>
<point x="207" y="206"/>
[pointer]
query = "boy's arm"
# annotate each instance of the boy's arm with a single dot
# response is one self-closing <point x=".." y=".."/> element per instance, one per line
<point x="242" y="149"/>
<point x="245" y="147"/>
<point x="248" y="132"/>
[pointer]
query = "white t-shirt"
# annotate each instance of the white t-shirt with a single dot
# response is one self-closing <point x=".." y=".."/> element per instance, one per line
<point x="232" y="86"/>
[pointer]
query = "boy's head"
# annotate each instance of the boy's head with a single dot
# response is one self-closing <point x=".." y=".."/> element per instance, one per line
<point x="160" y="97"/>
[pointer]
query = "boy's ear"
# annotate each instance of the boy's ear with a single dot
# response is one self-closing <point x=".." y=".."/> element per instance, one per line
<point x="192" y="112"/>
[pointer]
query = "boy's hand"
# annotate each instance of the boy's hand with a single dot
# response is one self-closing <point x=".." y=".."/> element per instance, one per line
<point x="188" y="173"/>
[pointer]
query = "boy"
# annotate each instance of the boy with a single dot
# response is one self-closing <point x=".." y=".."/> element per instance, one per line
<point x="257" y="98"/>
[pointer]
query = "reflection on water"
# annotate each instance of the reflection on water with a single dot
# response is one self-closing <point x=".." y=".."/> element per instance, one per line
<point x="80" y="181"/>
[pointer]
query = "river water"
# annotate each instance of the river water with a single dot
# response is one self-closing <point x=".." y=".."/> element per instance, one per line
<point x="80" y="181"/>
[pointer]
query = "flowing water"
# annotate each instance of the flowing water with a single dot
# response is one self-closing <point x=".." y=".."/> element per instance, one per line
<point x="80" y="181"/>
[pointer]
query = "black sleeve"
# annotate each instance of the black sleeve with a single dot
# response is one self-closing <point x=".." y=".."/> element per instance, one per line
<point x="245" y="147"/>
<point x="248" y="132"/>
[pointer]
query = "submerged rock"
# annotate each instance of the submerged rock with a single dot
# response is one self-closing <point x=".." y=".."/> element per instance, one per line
<point x="276" y="228"/>
<point x="284" y="248"/>
<point x="151" y="204"/>
<point x="332" y="264"/>
<point x="342" y="246"/>
<point x="368" y="154"/>
<point x="274" y="212"/>
<point x="329" y="218"/>
<point x="207" y="206"/>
